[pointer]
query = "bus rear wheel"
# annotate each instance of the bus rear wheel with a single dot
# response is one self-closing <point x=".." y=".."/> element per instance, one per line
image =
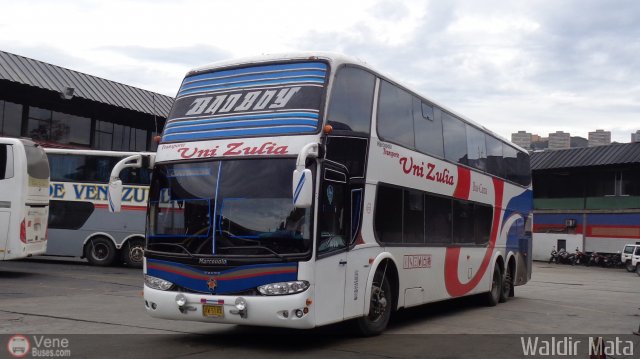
<point x="100" y="251"/>
<point x="493" y="296"/>
<point x="375" y="322"/>
<point x="133" y="253"/>
<point x="507" y="286"/>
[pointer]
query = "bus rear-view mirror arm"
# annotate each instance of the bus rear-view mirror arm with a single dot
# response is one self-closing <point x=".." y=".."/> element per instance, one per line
<point x="302" y="180"/>
<point x="114" y="193"/>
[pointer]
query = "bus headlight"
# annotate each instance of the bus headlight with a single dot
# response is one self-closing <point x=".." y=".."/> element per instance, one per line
<point x="157" y="283"/>
<point x="283" y="288"/>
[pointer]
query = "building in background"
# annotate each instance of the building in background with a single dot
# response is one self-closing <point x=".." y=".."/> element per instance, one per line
<point x="587" y="198"/>
<point x="522" y="139"/>
<point x="599" y="138"/>
<point x="635" y="137"/>
<point x="58" y="107"/>
<point x="559" y="140"/>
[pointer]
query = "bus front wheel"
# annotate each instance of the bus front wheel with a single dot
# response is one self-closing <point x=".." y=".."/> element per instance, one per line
<point x="133" y="253"/>
<point x="375" y="322"/>
<point x="100" y="251"/>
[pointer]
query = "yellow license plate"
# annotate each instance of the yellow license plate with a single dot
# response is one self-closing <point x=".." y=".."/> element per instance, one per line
<point x="216" y="311"/>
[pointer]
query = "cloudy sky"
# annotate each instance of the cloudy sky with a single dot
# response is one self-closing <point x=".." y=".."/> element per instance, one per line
<point x="537" y="65"/>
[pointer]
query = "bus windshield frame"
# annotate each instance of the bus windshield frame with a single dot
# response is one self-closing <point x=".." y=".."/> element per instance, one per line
<point x="227" y="208"/>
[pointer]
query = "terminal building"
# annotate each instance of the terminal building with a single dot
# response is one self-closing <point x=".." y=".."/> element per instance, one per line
<point x="58" y="107"/>
<point x="586" y="198"/>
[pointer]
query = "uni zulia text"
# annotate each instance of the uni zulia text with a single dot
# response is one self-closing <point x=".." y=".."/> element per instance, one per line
<point x="568" y="346"/>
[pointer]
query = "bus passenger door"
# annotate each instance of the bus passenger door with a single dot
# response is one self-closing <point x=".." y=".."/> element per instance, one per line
<point x="331" y="245"/>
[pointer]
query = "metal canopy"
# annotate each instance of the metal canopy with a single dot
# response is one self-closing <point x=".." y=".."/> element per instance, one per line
<point x="616" y="154"/>
<point x="39" y="74"/>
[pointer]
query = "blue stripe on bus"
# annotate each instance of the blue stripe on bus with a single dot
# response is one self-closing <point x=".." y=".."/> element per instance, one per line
<point x="257" y="69"/>
<point x="264" y="76"/>
<point x="239" y="132"/>
<point x="174" y="122"/>
<point x="298" y="188"/>
<point x="241" y="124"/>
<point x="250" y="84"/>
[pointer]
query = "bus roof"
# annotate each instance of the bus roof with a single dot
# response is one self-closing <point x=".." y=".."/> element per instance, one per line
<point x="337" y="59"/>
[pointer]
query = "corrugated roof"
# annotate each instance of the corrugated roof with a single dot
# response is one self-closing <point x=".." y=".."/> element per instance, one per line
<point x="40" y="74"/>
<point x="616" y="154"/>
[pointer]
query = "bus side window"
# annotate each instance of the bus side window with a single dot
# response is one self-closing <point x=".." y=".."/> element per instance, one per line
<point x="352" y="101"/>
<point x="6" y="161"/>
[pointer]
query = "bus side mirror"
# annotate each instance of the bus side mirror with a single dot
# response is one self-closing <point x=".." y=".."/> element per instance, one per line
<point x="302" y="188"/>
<point x="114" y="195"/>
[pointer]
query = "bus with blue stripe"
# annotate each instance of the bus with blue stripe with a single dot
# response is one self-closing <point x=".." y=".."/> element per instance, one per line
<point x="308" y="189"/>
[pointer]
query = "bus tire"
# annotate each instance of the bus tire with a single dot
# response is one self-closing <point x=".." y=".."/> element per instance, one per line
<point x="132" y="253"/>
<point x="375" y="322"/>
<point x="507" y="286"/>
<point x="492" y="297"/>
<point x="100" y="251"/>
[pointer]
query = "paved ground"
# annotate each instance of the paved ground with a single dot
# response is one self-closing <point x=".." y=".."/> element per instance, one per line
<point x="69" y="298"/>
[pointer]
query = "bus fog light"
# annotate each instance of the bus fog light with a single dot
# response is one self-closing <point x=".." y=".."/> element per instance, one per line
<point x="283" y="288"/>
<point x="157" y="283"/>
<point x="181" y="300"/>
<point x="299" y="313"/>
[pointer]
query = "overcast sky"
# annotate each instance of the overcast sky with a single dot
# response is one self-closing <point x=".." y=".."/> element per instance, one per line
<point x="536" y="65"/>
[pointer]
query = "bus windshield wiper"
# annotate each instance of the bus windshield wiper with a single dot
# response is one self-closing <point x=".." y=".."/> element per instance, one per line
<point x="255" y="247"/>
<point x="174" y="245"/>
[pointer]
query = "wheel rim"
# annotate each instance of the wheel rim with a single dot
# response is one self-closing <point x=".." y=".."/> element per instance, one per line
<point x="100" y="251"/>
<point x="378" y="304"/>
<point x="136" y="253"/>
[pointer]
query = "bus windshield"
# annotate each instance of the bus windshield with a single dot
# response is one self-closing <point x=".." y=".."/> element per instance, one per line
<point x="237" y="207"/>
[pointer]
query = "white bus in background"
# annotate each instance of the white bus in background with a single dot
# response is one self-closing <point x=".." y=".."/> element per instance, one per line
<point x="304" y="190"/>
<point x="80" y="224"/>
<point x="24" y="199"/>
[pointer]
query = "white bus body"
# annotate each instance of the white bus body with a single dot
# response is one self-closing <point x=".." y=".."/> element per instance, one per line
<point x="24" y="200"/>
<point x="294" y="191"/>
<point x="80" y="224"/>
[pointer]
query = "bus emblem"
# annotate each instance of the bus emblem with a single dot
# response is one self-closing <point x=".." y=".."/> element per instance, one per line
<point x="212" y="283"/>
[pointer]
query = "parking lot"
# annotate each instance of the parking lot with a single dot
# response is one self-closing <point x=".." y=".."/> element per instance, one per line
<point x="68" y="298"/>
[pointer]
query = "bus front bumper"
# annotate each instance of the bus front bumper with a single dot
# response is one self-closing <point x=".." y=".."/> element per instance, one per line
<point x="288" y="311"/>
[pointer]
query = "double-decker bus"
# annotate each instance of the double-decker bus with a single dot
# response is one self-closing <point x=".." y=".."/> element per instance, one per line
<point x="80" y="224"/>
<point x="24" y="201"/>
<point x="303" y="190"/>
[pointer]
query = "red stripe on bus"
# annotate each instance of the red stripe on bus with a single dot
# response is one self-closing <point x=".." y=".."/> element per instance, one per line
<point x="452" y="258"/>
<point x="124" y="208"/>
<point x="464" y="183"/>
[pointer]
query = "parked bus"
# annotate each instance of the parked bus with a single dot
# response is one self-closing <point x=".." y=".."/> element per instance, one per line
<point x="300" y="191"/>
<point x="79" y="222"/>
<point x="24" y="204"/>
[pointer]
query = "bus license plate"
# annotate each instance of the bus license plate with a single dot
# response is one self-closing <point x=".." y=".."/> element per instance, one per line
<point x="216" y="311"/>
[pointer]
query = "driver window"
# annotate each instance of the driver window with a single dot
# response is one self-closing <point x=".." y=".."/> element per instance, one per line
<point x="332" y="234"/>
